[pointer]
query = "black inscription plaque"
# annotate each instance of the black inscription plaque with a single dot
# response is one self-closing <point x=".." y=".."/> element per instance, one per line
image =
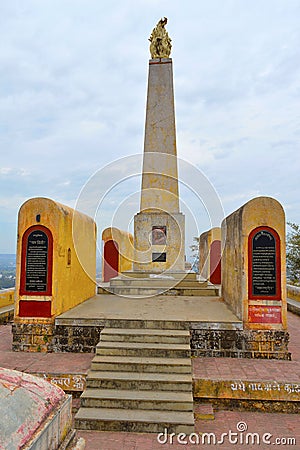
<point x="264" y="264"/>
<point x="36" y="262"/>
<point x="159" y="257"/>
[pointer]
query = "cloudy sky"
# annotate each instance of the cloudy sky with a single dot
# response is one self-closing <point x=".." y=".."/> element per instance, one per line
<point x="73" y="79"/>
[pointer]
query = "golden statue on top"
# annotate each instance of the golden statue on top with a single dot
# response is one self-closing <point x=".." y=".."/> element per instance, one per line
<point x="160" y="46"/>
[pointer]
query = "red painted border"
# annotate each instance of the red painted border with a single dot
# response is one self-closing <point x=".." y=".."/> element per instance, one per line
<point x="23" y="290"/>
<point x="277" y="296"/>
<point x="31" y="308"/>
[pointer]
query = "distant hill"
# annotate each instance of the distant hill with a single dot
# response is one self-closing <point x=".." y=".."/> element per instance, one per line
<point x="7" y="259"/>
<point x="7" y="270"/>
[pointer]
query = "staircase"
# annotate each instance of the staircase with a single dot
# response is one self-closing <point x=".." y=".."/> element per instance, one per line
<point x="130" y="284"/>
<point x="140" y="381"/>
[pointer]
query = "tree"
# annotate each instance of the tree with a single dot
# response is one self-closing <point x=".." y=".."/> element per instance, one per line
<point x="195" y="254"/>
<point x="293" y="253"/>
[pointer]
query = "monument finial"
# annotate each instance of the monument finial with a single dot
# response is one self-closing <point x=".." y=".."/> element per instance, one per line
<point x="160" y="46"/>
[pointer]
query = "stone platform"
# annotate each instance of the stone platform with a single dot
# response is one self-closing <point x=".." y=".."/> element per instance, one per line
<point x="207" y="311"/>
<point x="214" y="329"/>
<point x="70" y="371"/>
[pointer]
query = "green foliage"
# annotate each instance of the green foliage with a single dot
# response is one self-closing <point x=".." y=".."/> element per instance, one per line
<point x="293" y="253"/>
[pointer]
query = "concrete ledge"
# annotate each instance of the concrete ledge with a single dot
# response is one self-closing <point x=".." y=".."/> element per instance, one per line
<point x="293" y="292"/>
<point x="246" y="390"/>
<point x="6" y="314"/>
<point x="293" y="306"/>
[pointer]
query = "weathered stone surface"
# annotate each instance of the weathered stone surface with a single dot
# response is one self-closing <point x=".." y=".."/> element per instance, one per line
<point x="33" y="412"/>
<point x="268" y="344"/>
<point x="30" y="337"/>
<point x="82" y="339"/>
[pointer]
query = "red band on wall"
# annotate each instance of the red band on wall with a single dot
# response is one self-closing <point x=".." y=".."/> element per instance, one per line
<point x="31" y="308"/>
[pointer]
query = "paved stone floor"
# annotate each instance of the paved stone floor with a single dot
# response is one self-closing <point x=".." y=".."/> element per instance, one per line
<point x="279" y="425"/>
<point x="188" y="308"/>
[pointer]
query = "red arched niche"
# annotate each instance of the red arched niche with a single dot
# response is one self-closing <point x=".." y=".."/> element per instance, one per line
<point x="111" y="260"/>
<point x="215" y="262"/>
<point x="36" y="271"/>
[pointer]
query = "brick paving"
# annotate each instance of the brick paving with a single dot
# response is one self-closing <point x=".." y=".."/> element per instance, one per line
<point x="74" y="363"/>
<point x="255" y="369"/>
<point x="279" y="425"/>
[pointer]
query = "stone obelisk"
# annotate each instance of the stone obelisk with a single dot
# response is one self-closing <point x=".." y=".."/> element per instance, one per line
<point x="159" y="226"/>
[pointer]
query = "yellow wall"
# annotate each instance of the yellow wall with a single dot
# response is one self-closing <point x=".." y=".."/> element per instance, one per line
<point x="7" y="297"/>
<point x="71" y="284"/>
<point x="261" y="211"/>
<point x="205" y="242"/>
<point x="125" y="245"/>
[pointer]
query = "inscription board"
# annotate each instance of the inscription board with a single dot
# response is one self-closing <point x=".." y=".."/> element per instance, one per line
<point x="159" y="257"/>
<point x="67" y="382"/>
<point x="263" y="264"/>
<point x="264" y="314"/>
<point x="36" y="262"/>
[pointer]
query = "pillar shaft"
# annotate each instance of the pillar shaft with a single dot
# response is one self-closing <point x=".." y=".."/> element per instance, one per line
<point x="160" y="176"/>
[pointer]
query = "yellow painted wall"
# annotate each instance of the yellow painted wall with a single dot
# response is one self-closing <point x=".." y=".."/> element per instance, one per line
<point x="260" y="211"/>
<point x="71" y="284"/>
<point x="125" y="244"/>
<point x="205" y="242"/>
<point x="7" y="297"/>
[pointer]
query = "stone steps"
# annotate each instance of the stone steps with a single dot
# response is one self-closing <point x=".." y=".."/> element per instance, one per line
<point x="136" y="291"/>
<point x="123" y="324"/>
<point x="139" y="381"/>
<point x="189" y="276"/>
<point x="129" y="399"/>
<point x="141" y="364"/>
<point x="147" y="421"/>
<point x="156" y="282"/>
<point x="152" y="349"/>
<point x="204" y="411"/>
<point x="148" y="336"/>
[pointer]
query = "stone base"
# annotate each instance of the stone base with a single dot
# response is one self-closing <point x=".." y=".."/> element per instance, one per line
<point x="146" y="247"/>
<point x="260" y="344"/>
<point x="32" y="337"/>
<point x="233" y="343"/>
<point x="79" y="339"/>
<point x="51" y="338"/>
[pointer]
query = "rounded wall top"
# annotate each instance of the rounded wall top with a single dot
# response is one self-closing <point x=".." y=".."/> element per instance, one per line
<point x="26" y="402"/>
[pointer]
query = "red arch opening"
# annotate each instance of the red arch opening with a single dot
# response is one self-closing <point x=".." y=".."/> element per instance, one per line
<point x="215" y="262"/>
<point x="111" y="260"/>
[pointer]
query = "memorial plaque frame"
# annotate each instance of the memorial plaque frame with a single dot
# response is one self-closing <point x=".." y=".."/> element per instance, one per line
<point x="49" y="261"/>
<point x="277" y="270"/>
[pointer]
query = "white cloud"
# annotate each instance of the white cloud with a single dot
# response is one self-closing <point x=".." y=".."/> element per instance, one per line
<point x="73" y="89"/>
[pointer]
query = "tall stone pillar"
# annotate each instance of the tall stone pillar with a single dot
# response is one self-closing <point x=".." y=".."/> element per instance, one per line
<point x="159" y="226"/>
